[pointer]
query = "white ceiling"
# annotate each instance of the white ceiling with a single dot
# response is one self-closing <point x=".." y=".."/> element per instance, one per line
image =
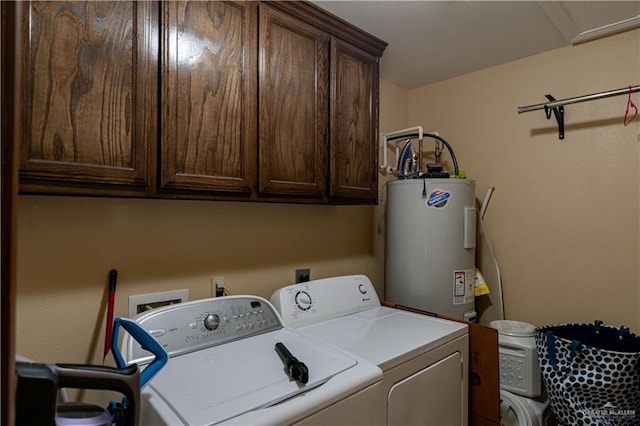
<point x="431" y="41"/>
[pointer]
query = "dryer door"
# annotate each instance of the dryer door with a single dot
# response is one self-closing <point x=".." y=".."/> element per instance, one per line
<point x="432" y="396"/>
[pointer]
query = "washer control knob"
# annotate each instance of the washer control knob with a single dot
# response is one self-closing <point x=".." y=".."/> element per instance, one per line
<point x="303" y="300"/>
<point x="362" y="289"/>
<point x="211" y="321"/>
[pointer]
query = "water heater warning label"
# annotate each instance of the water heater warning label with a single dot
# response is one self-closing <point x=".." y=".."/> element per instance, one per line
<point x="463" y="282"/>
<point x="438" y="198"/>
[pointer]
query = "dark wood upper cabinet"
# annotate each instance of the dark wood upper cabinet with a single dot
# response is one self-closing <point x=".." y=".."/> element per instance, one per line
<point x="209" y="95"/>
<point x="293" y="105"/>
<point x="226" y="100"/>
<point x="354" y="122"/>
<point x="319" y="84"/>
<point x="89" y="96"/>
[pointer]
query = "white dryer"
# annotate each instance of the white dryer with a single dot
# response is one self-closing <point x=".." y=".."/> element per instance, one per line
<point x="224" y="367"/>
<point x="423" y="359"/>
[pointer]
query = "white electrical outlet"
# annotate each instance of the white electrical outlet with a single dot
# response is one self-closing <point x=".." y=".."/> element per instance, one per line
<point x="143" y="302"/>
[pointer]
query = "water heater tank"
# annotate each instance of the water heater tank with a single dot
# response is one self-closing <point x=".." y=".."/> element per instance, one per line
<point x="430" y="245"/>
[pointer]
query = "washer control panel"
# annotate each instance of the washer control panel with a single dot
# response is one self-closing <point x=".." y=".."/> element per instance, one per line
<point x="321" y="300"/>
<point x="198" y="324"/>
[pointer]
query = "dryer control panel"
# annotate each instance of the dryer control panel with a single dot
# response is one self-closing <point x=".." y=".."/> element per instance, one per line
<point x="199" y="324"/>
<point x="320" y="300"/>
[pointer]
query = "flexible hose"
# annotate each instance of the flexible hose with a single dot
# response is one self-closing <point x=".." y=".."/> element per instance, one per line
<point x="453" y="156"/>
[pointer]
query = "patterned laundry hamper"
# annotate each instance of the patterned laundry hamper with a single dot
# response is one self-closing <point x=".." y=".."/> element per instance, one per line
<point x="591" y="372"/>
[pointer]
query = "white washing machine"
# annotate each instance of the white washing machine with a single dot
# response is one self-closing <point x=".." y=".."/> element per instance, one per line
<point x="224" y="367"/>
<point x="423" y="359"/>
<point x="523" y="401"/>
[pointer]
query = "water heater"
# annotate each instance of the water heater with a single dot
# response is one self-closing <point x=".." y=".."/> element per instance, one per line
<point x="430" y="245"/>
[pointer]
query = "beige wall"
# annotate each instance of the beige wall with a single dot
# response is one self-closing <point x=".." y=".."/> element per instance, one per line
<point x="68" y="245"/>
<point x="393" y="116"/>
<point x="563" y="220"/>
<point x="564" y="217"/>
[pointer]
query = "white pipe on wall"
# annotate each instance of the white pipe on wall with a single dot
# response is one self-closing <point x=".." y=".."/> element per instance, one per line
<point x="398" y="134"/>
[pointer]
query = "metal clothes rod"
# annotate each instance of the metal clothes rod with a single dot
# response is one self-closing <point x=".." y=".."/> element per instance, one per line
<point x="585" y="98"/>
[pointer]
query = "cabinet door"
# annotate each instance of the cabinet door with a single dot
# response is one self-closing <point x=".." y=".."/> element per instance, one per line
<point x="293" y="106"/>
<point x="208" y="96"/>
<point x="89" y="96"/>
<point x="354" y="123"/>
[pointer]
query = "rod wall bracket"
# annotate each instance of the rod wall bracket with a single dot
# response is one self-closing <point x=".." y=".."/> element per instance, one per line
<point x="558" y="112"/>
